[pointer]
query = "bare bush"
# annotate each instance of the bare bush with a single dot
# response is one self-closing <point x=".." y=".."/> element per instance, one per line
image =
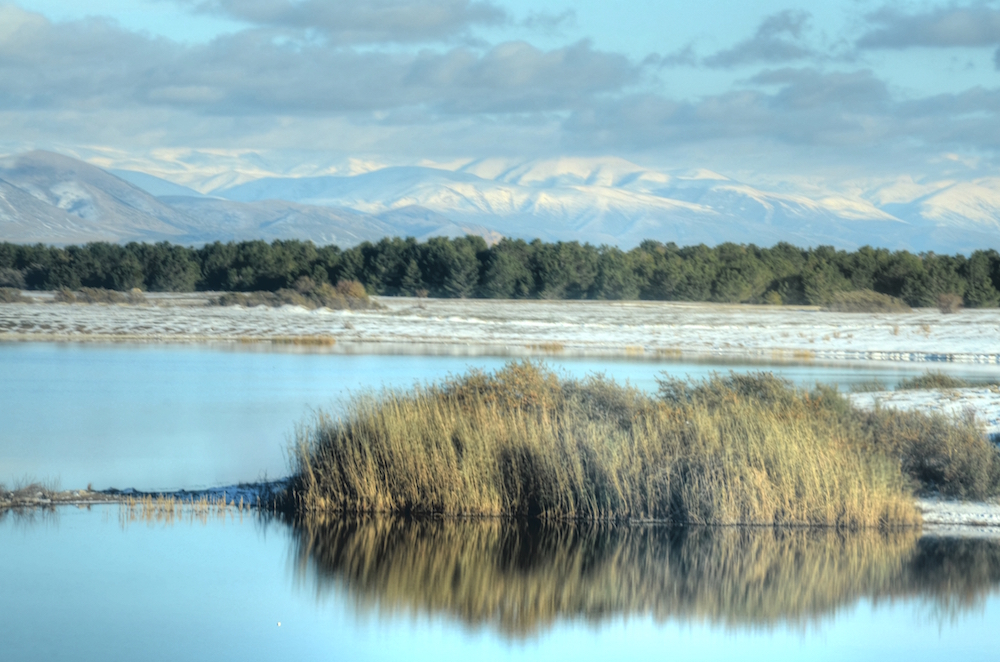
<point x="949" y="302"/>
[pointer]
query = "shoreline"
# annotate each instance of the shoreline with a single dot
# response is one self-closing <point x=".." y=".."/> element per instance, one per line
<point x="633" y="330"/>
<point x="942" y="518"/>
<point x="429" y="347"/>
<point x="242" y="495"/>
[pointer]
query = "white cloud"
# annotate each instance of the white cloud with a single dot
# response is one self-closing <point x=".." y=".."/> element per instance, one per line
<point x="274" y="85"/>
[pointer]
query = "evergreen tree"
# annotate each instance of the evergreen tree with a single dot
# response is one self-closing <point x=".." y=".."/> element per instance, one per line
<point x="980" y="291"/>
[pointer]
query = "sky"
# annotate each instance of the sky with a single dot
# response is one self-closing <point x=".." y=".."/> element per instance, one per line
<point x="770" y="90"/>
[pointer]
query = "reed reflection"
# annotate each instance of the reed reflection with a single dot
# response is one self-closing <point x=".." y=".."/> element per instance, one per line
<point x="520" y="577"/>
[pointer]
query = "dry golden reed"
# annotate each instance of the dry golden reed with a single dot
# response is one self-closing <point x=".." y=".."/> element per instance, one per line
<point x="547" y="347"/>
<point x="866" y="301"/>
<point x="169" y="509"/>
<point x="523" y="442"/>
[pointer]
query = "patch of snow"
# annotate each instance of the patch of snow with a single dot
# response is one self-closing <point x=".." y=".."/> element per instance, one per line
<point x="983" y="402"/>
<point x="953" y="518"/>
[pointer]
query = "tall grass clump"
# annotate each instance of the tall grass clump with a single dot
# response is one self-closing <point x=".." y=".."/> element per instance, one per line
<point x="346" y="295"/>
<point x="941" y="454"/>
<point x="523" y="442"/>
<point x="930" y="380"/>
<point x="949" y="303"/>
<point x="866" y="301"/>
<point x="12" y="295"/>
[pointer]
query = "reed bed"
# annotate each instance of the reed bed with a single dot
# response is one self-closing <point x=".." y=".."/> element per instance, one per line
<point x="168" y="509"/>
<point x="738" y="449"/>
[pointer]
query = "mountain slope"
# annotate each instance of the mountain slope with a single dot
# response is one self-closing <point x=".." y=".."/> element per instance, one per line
<point x="26" y="219"/>
<point x="50" y="198"/>
<point x="95" y="205"/>
<point x="224" y="220"/>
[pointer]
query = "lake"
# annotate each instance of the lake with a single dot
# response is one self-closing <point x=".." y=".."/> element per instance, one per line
<point x="164" y="417"/>
<point x="109" y="583"/>
<point x="94" y="585"/>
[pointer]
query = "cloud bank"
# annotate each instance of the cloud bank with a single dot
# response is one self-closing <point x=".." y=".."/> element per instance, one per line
<point x="407" y="79"/>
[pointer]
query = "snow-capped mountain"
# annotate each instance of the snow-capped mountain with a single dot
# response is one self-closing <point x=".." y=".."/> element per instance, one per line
<point x="616" y="202"/>
<point x="58" y="199"/>
<point x="49" y="197"/>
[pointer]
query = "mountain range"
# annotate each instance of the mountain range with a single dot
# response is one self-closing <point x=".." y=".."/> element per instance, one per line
<point x="52" y="198"/>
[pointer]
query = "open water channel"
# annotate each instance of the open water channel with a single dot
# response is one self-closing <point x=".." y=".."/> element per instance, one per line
<point x="102" y="584"/>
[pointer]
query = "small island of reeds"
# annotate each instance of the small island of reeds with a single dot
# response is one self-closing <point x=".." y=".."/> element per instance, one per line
<point x="730" y="450"/>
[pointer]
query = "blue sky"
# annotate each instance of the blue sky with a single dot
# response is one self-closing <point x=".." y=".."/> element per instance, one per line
<point x="769" y="89"/>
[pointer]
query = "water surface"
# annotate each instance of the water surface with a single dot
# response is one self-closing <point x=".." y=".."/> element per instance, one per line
<point x="187" y="416"/>
<point x="90" y="585"/>
<point x="109" y="583"/>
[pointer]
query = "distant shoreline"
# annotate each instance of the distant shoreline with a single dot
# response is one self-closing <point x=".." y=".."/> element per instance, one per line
<point x="243" y="495"/>
<point x="517" y="328"/>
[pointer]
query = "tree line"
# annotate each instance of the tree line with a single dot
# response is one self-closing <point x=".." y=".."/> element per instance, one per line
<point x="516" y="269"/>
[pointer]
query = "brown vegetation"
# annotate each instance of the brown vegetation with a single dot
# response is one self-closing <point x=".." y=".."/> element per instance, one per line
<point x="99" y="295"/>
<point x="949" y="302"/>
<point x="932" y="379"/>
<point x="743" y="449"/>
<point x="169" y="509"/>
<point x="347" y="295"/>
<point x="12" y="295"/>
<point x="866" y="301"/>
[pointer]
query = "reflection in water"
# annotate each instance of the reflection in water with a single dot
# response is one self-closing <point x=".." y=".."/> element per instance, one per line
<point x="27" y="518"/>
<point x="521" y="577"/>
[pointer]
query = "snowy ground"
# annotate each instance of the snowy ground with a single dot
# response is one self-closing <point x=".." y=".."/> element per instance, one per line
<point x="950" y="518"/>
<point x="591" y="328"/>
<point x="983" y="402"/>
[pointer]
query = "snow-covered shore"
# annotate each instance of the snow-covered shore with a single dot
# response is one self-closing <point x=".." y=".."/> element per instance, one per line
<point x="571" y="328"/>
<point x="965" y="519"/>
<point x="982" y="401"/>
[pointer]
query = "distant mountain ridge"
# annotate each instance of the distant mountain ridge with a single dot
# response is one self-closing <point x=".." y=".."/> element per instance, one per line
<point x="46" y="197"/>
<point x="50" y="198"/>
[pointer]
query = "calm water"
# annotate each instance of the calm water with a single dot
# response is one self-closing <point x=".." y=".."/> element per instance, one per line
<point x="87" y="585"/>
<point x="107" y="584"/>
<point x="169" y="417"/>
